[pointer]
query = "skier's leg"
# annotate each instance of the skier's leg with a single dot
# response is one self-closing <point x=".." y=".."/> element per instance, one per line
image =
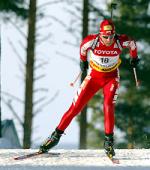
<point x="110" y="91"/>
<point x="110" y="96"/>
<point x="87" y="89"/>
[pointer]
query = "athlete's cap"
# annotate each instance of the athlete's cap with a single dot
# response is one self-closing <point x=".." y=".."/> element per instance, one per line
<point x="107" y="27"/>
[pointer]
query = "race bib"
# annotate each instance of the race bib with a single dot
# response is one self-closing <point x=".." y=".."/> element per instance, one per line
<point x="104" y="63"/>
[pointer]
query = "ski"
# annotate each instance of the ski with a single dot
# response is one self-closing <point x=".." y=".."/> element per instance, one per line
<point x="26" y="156"/>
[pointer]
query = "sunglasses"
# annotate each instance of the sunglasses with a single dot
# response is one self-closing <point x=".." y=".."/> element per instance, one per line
<point x="109" y="36"/>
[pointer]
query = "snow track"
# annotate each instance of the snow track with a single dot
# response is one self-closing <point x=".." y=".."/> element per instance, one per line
<point x="135" y="159"/>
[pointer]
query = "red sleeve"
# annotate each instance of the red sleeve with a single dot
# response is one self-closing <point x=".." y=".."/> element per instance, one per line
<point x="127" y="42"/>
<point x="86" y="44"/>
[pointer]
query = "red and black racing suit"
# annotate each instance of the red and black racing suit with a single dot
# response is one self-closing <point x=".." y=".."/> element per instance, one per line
<point x="103" y="74"/>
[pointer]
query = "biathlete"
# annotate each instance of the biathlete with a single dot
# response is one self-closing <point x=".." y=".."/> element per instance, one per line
<point x="105" y="49"/>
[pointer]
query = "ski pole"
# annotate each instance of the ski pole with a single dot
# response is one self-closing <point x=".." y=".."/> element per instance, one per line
<point x="73" y="83"/>
<point x="135" y="76"/>
<point x="113" y="6"/>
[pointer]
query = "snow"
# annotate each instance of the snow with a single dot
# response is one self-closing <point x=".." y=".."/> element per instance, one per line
<point x="138" y="159"/>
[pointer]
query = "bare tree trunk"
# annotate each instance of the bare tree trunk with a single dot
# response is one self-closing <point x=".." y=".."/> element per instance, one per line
<point x="28" y="115"/>
<point x="0" y="88"/>
<point x="83" y="116"/>
<point x="130" y="144"/>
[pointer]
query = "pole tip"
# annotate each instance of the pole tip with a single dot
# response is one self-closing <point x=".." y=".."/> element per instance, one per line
<point x="71" y="84"/>
<point x="138" y="83"/>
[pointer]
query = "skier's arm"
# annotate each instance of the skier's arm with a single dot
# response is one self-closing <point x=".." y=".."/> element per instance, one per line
<point x="84" y="47"/>
<point x="129" y="43"/>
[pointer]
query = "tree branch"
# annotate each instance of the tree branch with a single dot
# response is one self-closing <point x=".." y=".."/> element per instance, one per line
<point x="18" y="29"/>
<point x="39" y="109"/>
<point x="40" y="65"/>
<point x="21" y="70"/>
<point x="40" y="89"/>
<point x="39" y="41"/>
<point x="44" y="26"/>
<point x="13" y="97"/>
<point x="22" y="45"/>
<point x="49" y="3"/>
<point x="71" y="44"/>
<point x="39" y="100"/>
<point x="93" y="8"/>
<point x="9" y="105"/>
<point x="56" y="20"/>
<point x="68" y="57"/>
<point x="39" y="77"/>
<point x="15" y="51"/>
<point x="72" y="13"/>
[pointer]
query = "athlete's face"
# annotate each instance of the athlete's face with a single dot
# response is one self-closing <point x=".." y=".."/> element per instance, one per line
<point x="107" y="39"/>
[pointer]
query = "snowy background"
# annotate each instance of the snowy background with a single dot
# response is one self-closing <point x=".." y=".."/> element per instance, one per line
<point x="76" y="160"/>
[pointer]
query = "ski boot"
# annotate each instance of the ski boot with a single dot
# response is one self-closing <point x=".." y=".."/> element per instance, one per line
<point x="108" y="146"/>
<point x="51" y="141"/>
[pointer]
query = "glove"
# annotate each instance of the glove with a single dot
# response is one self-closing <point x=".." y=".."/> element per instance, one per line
<point x="84" y="65"/>
<point x="134" y="61"/>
